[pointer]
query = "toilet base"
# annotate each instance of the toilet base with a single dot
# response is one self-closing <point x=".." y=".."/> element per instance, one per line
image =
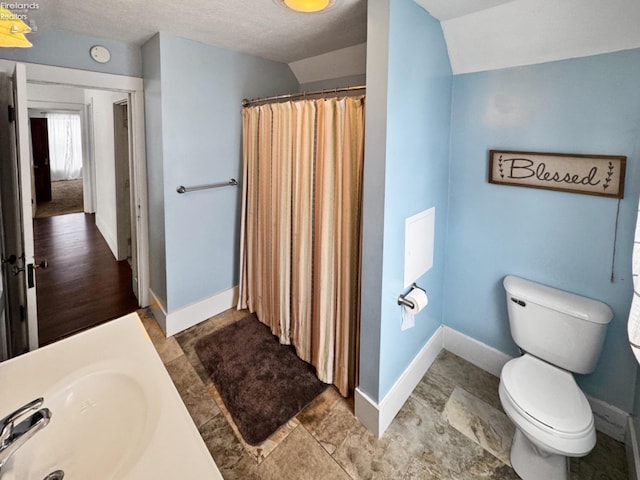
<point x="533" y="464"/>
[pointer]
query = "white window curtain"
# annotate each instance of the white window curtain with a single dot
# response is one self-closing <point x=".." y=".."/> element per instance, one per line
<point x="65" y="146"/>
<point x="633" y="327"/>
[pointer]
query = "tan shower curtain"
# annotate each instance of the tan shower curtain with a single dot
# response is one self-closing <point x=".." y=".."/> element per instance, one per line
<point x="300" y="233"/>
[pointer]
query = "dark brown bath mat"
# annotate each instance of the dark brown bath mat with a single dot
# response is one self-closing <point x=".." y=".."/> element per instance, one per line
<point x="262" y="383"/>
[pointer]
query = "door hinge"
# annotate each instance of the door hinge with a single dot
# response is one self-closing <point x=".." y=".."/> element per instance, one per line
<point x="11" y="111"/>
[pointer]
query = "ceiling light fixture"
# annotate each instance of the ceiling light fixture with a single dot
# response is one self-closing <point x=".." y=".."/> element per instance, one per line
<point x="308" y="6"/>
<point x="13" y="29"/>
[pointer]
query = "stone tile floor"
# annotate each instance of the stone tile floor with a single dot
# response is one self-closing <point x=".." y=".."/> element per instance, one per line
<point x="451" y="427"/>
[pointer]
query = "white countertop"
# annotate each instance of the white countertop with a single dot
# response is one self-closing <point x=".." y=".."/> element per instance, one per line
<point x="115" y="413"/>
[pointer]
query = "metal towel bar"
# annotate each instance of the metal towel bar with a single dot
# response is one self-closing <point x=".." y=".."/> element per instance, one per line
<point x="182" y="189"/>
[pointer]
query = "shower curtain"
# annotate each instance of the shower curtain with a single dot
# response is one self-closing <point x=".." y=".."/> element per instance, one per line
<point x="301" y="228"/>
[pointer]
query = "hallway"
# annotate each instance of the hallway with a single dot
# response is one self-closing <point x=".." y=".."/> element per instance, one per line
<point x="83" y="285"/>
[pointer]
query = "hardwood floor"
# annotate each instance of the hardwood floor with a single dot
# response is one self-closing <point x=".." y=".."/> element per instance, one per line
<point x="83" y="285"/>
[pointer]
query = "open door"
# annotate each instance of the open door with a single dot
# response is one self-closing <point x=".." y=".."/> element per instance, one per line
<point x="41" y="167"/>
<point x="126" y="226"/>
<point x="26" y="265"/>
<point x="18" y="277"/>
<point x="123" y="186"/>
<point x="4" y="337"/>
<point x="7" y="300"/>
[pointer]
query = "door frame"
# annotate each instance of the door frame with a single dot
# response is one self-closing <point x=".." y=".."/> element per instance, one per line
<point x="133" y="86"/>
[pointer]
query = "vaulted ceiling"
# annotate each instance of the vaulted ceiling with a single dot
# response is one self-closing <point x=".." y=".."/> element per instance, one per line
<point x="491" y="34"/>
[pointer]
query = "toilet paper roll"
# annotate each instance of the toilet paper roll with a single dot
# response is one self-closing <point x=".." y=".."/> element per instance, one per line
<point x="418" y="298"/>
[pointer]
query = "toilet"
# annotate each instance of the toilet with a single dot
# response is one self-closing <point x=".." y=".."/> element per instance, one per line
<point x="558" y="333"/>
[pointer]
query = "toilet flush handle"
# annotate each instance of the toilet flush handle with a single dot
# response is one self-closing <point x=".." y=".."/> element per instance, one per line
<point x="519" y="302"/>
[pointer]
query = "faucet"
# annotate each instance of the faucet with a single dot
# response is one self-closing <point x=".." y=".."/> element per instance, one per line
<point x="13" y="435"/>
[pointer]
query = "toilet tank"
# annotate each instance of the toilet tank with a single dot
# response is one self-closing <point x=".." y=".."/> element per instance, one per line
<point x="562" y="328"/>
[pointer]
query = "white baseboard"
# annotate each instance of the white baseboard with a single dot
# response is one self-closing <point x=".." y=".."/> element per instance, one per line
<point x="190" y="315"/>
<point x="480" y="354"/>
<point x="609" y="420"/>
<point x="632" y="448"/>
<point x="159" y="310"/>
<point x="108" y="235"/>
<point x="377" y="417"/>
<point x="367" y="411"/>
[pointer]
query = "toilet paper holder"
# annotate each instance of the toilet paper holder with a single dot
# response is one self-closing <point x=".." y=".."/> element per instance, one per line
<point x="408" y="303"/>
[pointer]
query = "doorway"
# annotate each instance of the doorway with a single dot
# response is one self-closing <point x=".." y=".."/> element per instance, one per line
<point x="130" y="89"/>
<point x="88" y="278"/>
<point x="56" y="146"/>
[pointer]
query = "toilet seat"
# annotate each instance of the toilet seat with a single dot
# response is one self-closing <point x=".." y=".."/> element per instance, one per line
<point x="547" y="405"/>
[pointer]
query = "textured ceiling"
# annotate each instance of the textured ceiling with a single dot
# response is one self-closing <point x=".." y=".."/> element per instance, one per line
<point x="448" y="9"/>
<point x="258" y="27"/>
<point x="480" y="34"/>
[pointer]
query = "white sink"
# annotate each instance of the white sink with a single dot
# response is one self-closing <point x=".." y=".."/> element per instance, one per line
<point x="115" y="414"/>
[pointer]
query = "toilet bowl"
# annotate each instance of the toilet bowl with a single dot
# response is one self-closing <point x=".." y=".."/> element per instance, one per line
<point x="559" y="333"/>
<point x="552" y="416"/>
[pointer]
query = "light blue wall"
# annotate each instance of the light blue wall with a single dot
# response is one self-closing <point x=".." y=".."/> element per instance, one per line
<point x="71" y="50"/>
<point x="416" y="97"/>
<point x="589" y="105"/>
<point x="202" y="88"/>
<point x="349" y="81"/>
<point x="151" y="70"/>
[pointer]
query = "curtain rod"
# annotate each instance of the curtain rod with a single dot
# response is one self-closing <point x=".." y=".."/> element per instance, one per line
<point x="289" y="96"/>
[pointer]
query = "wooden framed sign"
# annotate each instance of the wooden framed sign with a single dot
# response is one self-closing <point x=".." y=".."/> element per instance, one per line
<point x="601" y="175"/>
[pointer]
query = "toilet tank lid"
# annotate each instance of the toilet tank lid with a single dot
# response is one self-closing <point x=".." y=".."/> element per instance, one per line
<point x="559" y="300"/>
